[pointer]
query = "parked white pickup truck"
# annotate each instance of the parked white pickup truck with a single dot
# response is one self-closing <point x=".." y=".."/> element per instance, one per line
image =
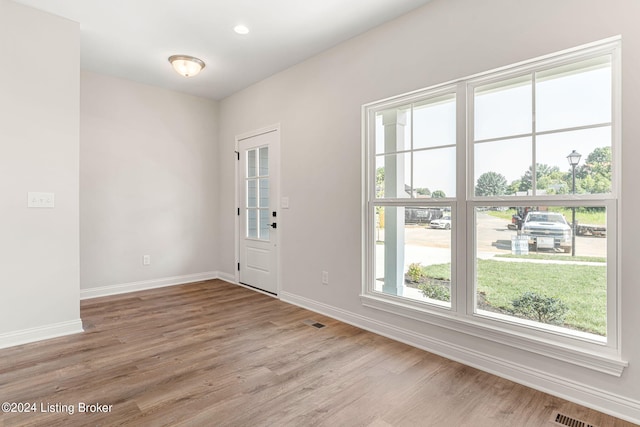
<point x="547" y="230"/>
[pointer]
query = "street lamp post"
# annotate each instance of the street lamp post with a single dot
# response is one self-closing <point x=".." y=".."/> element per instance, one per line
<point x="574" y="159"/>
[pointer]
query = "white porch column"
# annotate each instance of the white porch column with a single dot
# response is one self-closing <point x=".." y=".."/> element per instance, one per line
<point x="394" y="122"/>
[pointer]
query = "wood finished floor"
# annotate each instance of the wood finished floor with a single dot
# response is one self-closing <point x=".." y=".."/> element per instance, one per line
<point x="212" y="353"/>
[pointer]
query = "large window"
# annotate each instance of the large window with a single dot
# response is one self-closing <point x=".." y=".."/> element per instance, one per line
<point x="491" y="205"/>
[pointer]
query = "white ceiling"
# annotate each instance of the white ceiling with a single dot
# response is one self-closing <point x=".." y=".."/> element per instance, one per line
<point x="133" y="38"/>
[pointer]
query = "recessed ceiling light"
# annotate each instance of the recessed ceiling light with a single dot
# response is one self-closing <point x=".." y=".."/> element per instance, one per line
<point x="241" y="29"/>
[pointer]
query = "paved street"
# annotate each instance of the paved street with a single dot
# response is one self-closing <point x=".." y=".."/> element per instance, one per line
<point x="493" y="236"/>
<point x="432" y="246"/>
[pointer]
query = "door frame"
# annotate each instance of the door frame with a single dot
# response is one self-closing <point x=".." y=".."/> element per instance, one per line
<point x="275" y="152"/>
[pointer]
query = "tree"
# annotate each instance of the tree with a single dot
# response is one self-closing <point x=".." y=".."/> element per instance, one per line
<point x="491" y="184"/>
<point x="598" y="162"/>
<point x="438" y="194"/>
<point x="380" y="182"/>
<point x="514" y="187"/>
<point x="595" y="174"/>
<point x="423" y="191"/>
<point x="542" y="171"/>
<point x="556" y="182"/>
<point x="594" y="184"/>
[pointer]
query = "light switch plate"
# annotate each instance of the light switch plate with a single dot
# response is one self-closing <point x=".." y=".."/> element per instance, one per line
<point x="40" y="200"/>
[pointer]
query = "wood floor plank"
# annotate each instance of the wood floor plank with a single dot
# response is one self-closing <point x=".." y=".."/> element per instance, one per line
<point x="211" y="353"/>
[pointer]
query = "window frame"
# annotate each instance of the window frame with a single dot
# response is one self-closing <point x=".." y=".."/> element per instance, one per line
<point x="461" y="316"/>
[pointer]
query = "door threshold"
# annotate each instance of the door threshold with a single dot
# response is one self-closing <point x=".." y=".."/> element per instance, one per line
<point x="255" y="288"/>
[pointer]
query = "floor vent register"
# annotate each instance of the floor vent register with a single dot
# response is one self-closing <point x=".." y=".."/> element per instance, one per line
<point x="565" y="420"/>
<point x="313" y="323"/>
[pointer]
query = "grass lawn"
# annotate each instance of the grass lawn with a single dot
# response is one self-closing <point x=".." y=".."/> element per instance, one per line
<point x="581" y="287"/>
<point x="502" y="214"/>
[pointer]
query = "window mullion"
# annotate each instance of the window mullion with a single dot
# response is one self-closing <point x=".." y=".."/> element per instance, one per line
<point x="411" y="156"/>
<point x="461" y="287"/>
<point x="534" y="162"/>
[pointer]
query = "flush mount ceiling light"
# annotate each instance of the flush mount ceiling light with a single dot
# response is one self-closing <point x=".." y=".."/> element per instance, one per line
<point x="186" y="65"/>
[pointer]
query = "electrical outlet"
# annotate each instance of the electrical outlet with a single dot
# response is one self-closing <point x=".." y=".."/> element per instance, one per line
<point x="325" y="277"/>
<point x="146" y="260"/>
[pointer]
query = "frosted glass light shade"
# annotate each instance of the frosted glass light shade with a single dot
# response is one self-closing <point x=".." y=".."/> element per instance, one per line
<point x="241" y="29"/>
<point x="185" y="65"/>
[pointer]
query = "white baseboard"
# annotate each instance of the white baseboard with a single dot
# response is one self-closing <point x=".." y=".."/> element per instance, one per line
<point x="582" y="394"/>
<point x="227" y="277"/>
<point x="39" y="333"/>
<point x="26" y="336"/>
<point x="123" y="288"/>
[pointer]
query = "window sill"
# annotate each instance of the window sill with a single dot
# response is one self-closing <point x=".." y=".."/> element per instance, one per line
<point x="597" y="357"/>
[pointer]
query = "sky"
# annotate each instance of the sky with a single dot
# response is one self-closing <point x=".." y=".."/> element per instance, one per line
<point x="572" y="112"/>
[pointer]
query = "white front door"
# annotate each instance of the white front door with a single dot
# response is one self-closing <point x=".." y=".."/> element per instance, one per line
<point x="258" y="216"/>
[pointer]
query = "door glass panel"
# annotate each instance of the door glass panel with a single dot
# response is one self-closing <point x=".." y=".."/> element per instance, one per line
<point x="251" y="193"/>
<point x="264" y="161"/>
<point x="264" y="193"/>
<point x="264" y="224"/>
<point x="251" y="163"/>
<point x="257" y="202"/>
<point x="252" y="224"/>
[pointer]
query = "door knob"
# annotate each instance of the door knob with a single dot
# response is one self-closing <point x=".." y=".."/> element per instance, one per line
<point x="274" y="225"/>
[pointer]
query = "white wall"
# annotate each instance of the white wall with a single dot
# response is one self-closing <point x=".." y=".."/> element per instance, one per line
<point x="318" y="106"/>
<point x="148" y="186"/>
<point x="39" y="113"/>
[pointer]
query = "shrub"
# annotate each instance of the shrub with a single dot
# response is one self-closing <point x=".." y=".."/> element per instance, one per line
<point x="435" y="291"/>
<point x="415" y="272"/>
<point x="540" y="308"/>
